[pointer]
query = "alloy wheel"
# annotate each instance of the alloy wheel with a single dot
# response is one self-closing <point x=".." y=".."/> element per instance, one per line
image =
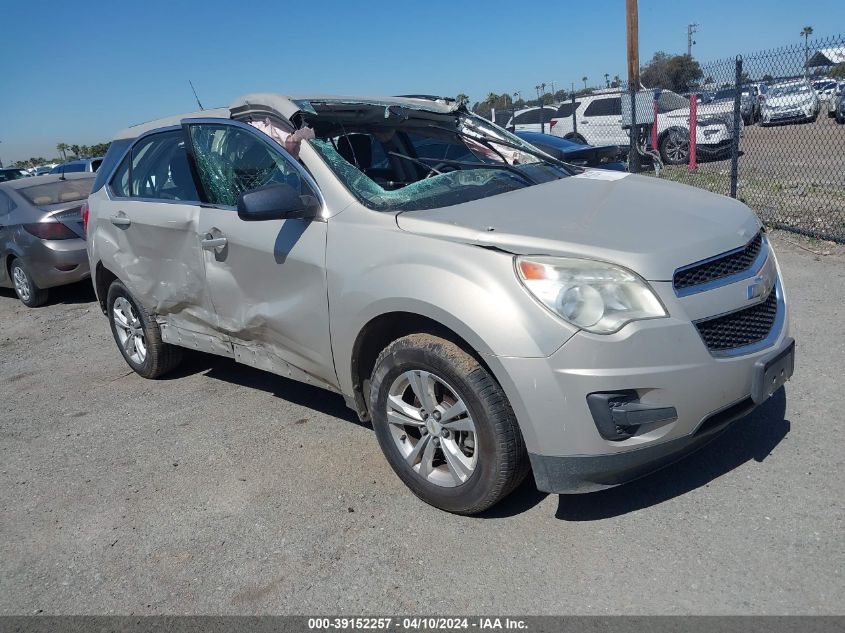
<point x="130" y="331"/>
<point x="432" y="428"/>
<point x="676" y="148"/>
<point x="21" y="282"/>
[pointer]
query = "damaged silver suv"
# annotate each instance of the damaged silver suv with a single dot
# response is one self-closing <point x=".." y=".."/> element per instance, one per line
<point x="491" y="310"/>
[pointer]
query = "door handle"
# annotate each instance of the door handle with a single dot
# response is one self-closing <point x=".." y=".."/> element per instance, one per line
<point x="120" y="220"/>
<point x="210" y="243"/>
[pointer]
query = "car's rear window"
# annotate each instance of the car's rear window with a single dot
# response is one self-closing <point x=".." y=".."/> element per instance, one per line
<point x="58" y="191"/>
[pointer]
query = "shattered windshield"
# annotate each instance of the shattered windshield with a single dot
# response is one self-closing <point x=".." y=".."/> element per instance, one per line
<point x="401" y="159"/>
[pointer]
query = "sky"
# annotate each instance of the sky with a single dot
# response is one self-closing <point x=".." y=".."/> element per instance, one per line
<point x="77" y="72"/>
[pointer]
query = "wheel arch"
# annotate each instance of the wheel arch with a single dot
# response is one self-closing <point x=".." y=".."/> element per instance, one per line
<point x="102" y="279"/>
<point x="387" y="327"/>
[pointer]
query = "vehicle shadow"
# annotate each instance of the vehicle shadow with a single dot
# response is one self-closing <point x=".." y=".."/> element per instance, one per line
<point x="290" y="390"/>
<point x="72" y="294"/>
<point x="753" y="437"/>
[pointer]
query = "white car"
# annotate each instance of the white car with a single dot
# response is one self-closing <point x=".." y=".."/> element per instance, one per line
<point x="825" y="89"/>
<point x="534" y="119"/>
<point x="599" y="122"/>
<point x="788" y="102"/>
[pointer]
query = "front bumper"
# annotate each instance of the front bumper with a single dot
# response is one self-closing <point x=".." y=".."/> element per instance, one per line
<point x="664" y="361"/>
<point x="788" y="116"/>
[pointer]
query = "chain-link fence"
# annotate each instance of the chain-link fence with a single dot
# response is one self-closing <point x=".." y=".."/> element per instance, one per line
<point x="767" y="128"/>
<point x="789" y="160"/>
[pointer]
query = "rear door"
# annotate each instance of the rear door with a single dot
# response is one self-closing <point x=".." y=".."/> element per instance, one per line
<point x="601" y="122"/>
<point x="267" y="280"/>
<point x="151" y="223"/>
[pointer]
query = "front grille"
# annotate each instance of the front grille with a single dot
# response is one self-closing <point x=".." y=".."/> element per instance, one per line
<point x="729" y="264"/>
<point x="740" y="328"/>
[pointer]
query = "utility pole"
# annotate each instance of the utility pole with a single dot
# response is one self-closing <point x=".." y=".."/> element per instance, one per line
<point x="692" y="29"/>
<point x="633" y="37"/>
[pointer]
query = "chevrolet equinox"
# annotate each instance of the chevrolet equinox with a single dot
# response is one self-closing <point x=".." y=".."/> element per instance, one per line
<point x="491" y="310"/>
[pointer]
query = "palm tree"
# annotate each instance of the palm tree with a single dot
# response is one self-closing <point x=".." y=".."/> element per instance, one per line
<point x="75" y="149"/>
<point x="607" y="80"/>
<point x="462" y="99"/>
<point x="62" y="148"/>
<point x="584" y="79"/>
<point x="617" y="81"/>
<point x="806" y="32"/>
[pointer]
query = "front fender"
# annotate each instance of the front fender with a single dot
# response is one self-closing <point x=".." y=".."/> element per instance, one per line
<point x="375" y="268"/>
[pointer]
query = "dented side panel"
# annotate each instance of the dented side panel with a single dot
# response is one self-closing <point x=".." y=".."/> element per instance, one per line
<point x="154" y="250"/>
<point x="268" y="287"/>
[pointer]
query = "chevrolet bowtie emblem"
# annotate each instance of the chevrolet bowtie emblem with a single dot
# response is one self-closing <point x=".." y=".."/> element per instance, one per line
<point x="761" y="287"/>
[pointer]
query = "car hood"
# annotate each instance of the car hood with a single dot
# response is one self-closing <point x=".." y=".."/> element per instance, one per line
<point x="718" y="108"/>
<point x="650" y="226"/>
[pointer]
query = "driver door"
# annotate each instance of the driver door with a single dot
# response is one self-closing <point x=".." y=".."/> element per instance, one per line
<point x="267" y="279"/>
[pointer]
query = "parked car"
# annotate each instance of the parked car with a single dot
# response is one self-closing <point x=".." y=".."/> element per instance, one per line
<point x="79" y="165"/>
<point x="533" y="119"/>
<point x="839" y="108"/>
<point x="826" y="90"/>
<point x="489" y="309"/>
<point x="599" y="119"/>
<point x="12" y="173"/>
<point x="45" y="169"/>
<point x="602" y="157"/>
<point x="42" y="242"/>
<point x="749" y="104"/>
<point x="790" y="102"/>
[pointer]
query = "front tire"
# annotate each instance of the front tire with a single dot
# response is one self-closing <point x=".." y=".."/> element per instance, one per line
<point x="25" y="287"/>
<point x="445" y="425"/>
<point x="138" y="336"/>
<point x="674" y="148"/>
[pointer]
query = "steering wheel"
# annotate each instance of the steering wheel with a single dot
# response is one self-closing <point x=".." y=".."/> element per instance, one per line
<point x="442" y="168"/>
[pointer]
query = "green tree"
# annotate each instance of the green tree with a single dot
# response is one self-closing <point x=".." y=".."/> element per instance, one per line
<point x="584" y="79"/>
<point x="75" y="149"/>
<point x="62" y="148"/>
<point x="671" y="72"/>
<point x="806" y="32"/>
<point x="838" y="71"/>
<point x="462" y="99"/>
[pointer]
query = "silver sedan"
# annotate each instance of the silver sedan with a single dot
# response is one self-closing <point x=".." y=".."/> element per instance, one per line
<point x="42" y="239"/>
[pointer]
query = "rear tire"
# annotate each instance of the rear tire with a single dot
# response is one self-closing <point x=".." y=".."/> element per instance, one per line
<point x="576" y="138"/>
<point x="25" y="287"/>
<point x="493" y="460"/>
<point x="138" y="336"/>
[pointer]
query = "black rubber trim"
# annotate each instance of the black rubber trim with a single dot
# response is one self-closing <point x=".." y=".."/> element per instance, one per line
<point x="588" y="473"/>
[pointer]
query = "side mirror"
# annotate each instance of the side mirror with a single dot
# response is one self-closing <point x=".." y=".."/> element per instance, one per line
<point x="276" y="202"/>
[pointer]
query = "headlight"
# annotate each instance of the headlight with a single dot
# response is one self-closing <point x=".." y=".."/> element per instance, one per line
<point x="595" y="296"/>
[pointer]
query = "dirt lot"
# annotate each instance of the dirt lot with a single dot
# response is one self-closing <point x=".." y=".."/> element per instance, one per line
<point x="793" y="175"/>
<point x="226" y="490"/>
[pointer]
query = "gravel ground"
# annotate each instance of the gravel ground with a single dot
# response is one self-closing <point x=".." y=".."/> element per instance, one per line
<point x="791" y="175"/>
<point x="226" y="490"/>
